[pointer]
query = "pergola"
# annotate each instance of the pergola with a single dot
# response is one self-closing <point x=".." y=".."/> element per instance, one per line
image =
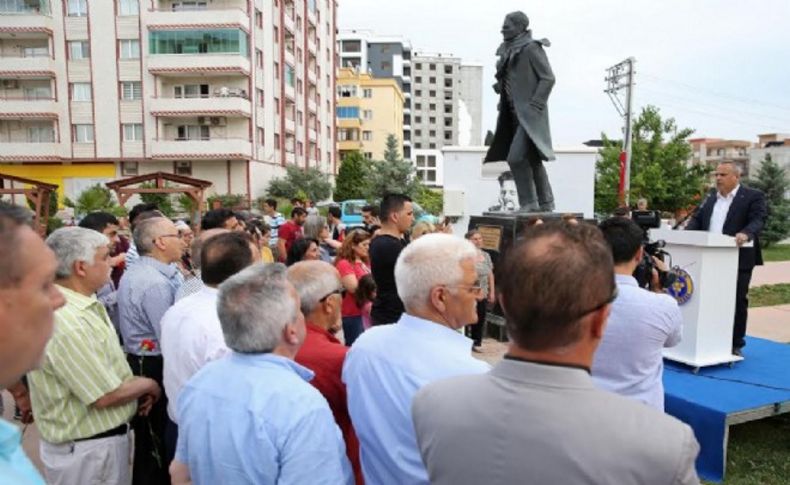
<point x="193" y="188"/>
<point x="38" y="193"/>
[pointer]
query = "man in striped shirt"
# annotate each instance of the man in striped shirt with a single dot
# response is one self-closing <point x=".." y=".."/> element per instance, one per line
<point x="84" y="394"/>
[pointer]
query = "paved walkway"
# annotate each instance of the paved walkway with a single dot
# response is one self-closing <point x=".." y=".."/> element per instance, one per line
<point x="771" y="274"/>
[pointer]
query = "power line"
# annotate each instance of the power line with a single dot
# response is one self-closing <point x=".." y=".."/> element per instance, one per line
<point x="719" y="116"/>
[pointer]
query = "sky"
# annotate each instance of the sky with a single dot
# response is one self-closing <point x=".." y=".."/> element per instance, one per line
<point x="720" y="67"/>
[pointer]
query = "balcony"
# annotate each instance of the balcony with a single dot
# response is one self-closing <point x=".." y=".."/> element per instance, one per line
<point x="45" y="107"/>
<point x="225" y="16"/>
<point x="212" y="148"/>
<point x="180" y="65"/>
<point x="230" y="106"/>
<point x="29" y="151"/>
<point x="26" y="16"/>
<point x="39" y="66"/>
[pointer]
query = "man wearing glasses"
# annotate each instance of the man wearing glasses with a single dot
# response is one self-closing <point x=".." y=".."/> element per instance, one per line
<point x="537" y="416"/>
<point x="629" y="360"/>
<point x="436" y="280"/>
<point x="147" y="290"/>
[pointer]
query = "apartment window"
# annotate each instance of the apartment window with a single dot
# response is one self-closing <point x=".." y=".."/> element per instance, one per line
<point x="417" y="132"/>
<point x="432" y="93"/>
<point x="386" y="66"/>
<point x="192" y="132"/>
<point x="432" y="146"/>
<point x="128" y="7"/>
<point x="448" y="122"/>
<point x="183" y="168"/>
<point x="131" y="90"/>
<point x="417" y="145"/>
<point x="367" y="114"/>
<point x="347" y="112"/>
<point x="277" y="105"/>
<point x="418" y="106"/>
<point x="368" y="155"/>
<point x="203" y="41"/>
<point x="431" y="133"/>
<point x="129" y="169"/>
<point x="298" y="22"/>
<point x="259" y="58"/>
<point x="79" y="49"/>
<point x="276" y="70"/>
<point x="448" y="108"/>
<point x="367" y="93"/>
<point x="259" y="18"/>
<point x="367" y="135"/>
<point x="82" y="133"/>
<point x="418" y="119"/>
<point x="276" y="34"/>
<point x="290" y="75"/>
<point x="347" y="90"/>
<point x="189" y="5"/>
<point x="418" y="92"/>
<point x="191" y="91"/>
<point x="432" y="107"/>
<point x="417" y="79"/>
<point x="132" y="132"/>
<point x="448" y="136"/>
<point x="77" y="8"/>
<point x="259" y="95"/>
<point x="432" y="120"/>
<point x="81" y="91"/>
<point x="261" y="135"/>
<point x="418" y="65"/>
<point x="448" y="83"/>
<point x="129" y="49"/>
<point x="276" y="140"/>
<point x="432" y="80"/>
<point x="299" y="118"/>
<point x="448" y="69"/>
<point x="432" y="67"/>
<point x="299" y="148"/>
<point x="40" y="134"/>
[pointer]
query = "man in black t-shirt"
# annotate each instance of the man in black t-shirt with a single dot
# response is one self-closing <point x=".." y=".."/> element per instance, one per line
<point x="397" y="216"/>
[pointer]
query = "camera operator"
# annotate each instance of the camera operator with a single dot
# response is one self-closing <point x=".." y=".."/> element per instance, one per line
<point x="642" y="323"/>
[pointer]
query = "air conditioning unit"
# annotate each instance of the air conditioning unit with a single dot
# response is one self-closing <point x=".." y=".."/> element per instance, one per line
<point x="218" y="121"/>
<point x="204" y="120"/>
<point x="11" y="83"/>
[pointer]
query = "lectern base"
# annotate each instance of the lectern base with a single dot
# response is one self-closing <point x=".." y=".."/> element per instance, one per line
<point x="700" y="362"/>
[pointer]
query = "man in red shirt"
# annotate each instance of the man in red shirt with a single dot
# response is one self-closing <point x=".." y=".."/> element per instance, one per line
<point x="290" y="232"/>
<point x="320" y="291"/>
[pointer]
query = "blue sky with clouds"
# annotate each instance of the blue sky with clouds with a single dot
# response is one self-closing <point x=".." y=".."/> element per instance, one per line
<point x="721" y="67"/>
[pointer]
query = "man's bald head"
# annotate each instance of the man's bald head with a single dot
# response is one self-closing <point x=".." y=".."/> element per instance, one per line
<point x="197" y="244"/>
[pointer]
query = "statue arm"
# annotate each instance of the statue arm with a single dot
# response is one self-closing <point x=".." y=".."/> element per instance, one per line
<point x="540" y="63"/>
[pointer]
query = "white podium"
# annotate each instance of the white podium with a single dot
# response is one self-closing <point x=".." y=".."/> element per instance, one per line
<point x="711" y="262"/>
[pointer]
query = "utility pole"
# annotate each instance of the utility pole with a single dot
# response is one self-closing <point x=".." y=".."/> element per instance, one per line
<point x="618" y="78"/>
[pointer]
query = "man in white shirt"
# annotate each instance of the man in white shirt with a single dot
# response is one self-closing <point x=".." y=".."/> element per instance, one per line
<point x="629" y="358"/>
<point x="388" y="364"/>
<point x="191" y="332"/>
<point x="737" y="211"/>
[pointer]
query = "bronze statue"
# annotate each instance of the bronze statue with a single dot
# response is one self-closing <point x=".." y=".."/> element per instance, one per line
<point x="522" y="137"/>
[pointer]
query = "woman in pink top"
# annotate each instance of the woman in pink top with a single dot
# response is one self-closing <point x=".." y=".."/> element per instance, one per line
<point x="352" y="263"/>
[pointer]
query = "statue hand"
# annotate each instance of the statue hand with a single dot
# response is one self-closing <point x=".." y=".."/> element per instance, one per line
<point x="497" y="89"/>
<point x="537" y="105"/>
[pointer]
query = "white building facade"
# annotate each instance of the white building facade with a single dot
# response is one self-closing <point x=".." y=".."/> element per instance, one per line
<point x="229" y="91"/>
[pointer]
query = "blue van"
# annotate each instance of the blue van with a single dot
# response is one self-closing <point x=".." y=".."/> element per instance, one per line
<point x="351" y="213"/>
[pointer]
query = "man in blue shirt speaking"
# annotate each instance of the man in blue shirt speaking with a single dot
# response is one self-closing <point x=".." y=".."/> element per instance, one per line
<point x="252" y="417"/>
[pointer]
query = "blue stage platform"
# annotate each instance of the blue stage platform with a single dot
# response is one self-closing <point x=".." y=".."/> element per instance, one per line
<point x="720" y="396"/>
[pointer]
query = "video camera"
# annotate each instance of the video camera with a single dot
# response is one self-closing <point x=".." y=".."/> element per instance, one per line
<point x="647" y="220"/>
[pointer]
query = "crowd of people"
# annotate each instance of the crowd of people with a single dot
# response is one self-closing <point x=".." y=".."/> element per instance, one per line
<point x="194" y="355"/>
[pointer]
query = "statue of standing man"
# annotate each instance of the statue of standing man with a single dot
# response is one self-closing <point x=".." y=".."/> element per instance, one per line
<point x="522" y="137"/>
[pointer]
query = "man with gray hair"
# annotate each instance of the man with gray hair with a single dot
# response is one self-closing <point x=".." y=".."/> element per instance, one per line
<point x="145" y="293"/>
<point x="84" y="394"/>
<point x="194" y="283"/>
<point x="321" y="292"/>
<point x="28" y="300"/>
<point x="387" y="365"/>
<point x="274" y="427"/>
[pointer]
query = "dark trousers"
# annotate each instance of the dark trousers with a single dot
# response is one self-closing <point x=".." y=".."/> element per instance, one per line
<point x="475" y="331"/>
<point x="352" y="328"/>
<point x="529" y="174"/>
<point x="149" y="431"/>
<point x="171" y="439"/>
<point x="741" y="308"/>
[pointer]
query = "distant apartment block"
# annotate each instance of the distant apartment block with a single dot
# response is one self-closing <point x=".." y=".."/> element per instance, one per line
<point x="775" y="144"/>
<point x="229" y="91"/>
<point x="712" y="151"/>
<point x="382" y="57"/>
<point x="368" y="111"/>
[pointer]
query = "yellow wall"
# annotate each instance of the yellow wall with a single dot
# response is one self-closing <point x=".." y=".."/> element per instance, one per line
<point x="386" y="104"/>
<point x="55" y="173"/>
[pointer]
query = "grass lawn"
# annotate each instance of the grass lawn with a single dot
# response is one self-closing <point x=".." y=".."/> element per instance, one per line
<point x="759" y="452"/>
<point x="769" y="295"/>
<point x="777" y="252"/>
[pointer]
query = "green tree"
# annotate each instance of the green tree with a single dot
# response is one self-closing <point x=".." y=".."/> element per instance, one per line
<point x="660" y="171"/>
<point x="772" y="180"/>
<point x="392" y="175"/>
<point x="163" y="201"/>
<point x="350" y="180"/>
<point x="432" y="200"/>
<point x="93" y="199"/>
<point x="308" y="183"/>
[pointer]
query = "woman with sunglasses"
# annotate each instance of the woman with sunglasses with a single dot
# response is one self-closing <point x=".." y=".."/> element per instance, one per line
<point x="352" y="263"/>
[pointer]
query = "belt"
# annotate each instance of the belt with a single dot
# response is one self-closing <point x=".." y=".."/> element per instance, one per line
<point x="122" y="429"/>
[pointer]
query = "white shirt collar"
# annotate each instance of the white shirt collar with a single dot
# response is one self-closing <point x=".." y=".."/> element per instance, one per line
<point x="729" y="196"/>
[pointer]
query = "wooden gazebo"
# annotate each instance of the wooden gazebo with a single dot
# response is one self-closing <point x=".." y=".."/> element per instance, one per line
<point x="38" y="193"/>
<point x="193" y="188"/>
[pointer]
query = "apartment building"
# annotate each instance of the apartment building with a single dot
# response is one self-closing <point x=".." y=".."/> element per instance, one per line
<point x="381" y="57"/>
<point x="712" y="151"/>
<point x="368" y="111"/>
<point x="777" y="145"/>
<point x="229" y="91"/>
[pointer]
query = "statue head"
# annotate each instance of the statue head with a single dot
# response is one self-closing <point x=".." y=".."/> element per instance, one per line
<point x="508" y="193"/>
<point x="514" y="25"/>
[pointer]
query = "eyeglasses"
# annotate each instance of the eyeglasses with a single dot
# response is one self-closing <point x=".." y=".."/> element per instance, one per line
<point x="475" y="290"/>
<point x="611" y="298"/>
<point x="178" y="235"/>
<point x="339" y="291"/>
